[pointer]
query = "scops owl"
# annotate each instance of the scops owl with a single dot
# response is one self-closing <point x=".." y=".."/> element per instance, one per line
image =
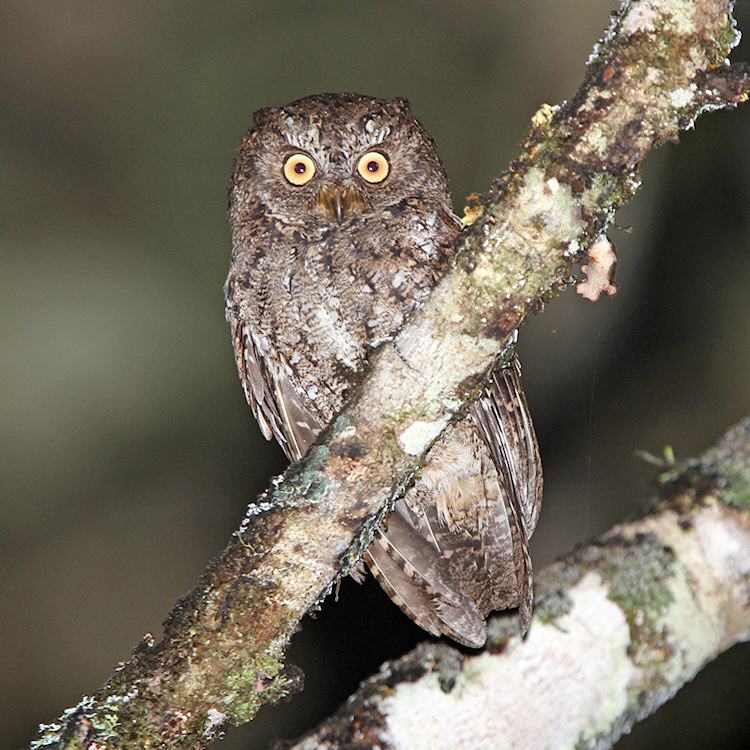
<point x="341" y="224"/>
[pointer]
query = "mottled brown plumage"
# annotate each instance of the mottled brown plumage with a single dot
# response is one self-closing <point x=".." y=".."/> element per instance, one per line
<point x="341" y="224"/>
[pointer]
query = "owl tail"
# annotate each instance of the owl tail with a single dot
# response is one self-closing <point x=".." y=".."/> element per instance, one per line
<point x="456" y="546"/>
<point x="416" y="577"/>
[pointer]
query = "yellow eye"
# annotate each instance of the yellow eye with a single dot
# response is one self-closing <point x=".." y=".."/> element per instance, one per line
<point x="373" y="167"/>
<point x="299" y="169"/>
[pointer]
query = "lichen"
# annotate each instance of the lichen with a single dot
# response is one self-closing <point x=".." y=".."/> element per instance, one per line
<point x="552" y="602"/>
<point x="305" y="482"/>
<point x="258" y="681"/>
<point x="637" y="571"/>
<point x="737" y="490"/>
<point x="417" y="436"/>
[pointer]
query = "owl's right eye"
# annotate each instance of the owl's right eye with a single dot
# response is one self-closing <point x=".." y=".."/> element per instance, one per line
<point x="299" y="169"/>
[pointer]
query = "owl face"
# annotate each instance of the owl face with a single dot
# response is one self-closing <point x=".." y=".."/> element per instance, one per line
<point x="333" y="160"/>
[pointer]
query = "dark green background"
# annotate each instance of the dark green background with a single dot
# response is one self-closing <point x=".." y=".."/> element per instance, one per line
<point x="127" y="452"/>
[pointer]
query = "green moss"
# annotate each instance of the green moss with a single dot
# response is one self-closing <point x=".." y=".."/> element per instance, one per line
<point x="737" y="490"/>
<point x="637" y="572"/>
<point x="303" y="483"/>
<point x="257" y="680"/>
<point x="726" y="38"/>
<point x="252" y="687"/>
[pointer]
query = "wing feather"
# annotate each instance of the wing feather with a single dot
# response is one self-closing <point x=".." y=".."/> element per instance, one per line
<point x="502" y="416"/>
<point x="416" y="576"/>
<point x="274" y="400"/>
<point x="462" y="531"/>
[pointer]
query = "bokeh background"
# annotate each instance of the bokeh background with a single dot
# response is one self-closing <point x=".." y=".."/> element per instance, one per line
<point x="127" y="453"/>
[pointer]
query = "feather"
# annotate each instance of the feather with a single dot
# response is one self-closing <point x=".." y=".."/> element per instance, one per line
<point x="424" y="595"/>
<point x="274" y="400"/>
<point x="502" y="416"/>
<point x="313" y="291"/>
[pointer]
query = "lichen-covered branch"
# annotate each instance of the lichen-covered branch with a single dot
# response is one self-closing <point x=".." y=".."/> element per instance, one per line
<point x="620" y="625"/>
<point x="660" y="65"/>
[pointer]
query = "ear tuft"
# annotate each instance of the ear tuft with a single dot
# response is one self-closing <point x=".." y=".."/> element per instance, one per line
<point x="262" y="116"/>
<point x="401" y="105"/>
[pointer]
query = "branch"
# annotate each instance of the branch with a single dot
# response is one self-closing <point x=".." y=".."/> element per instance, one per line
<point x="222" y="654"/>
<point x="620" y="625"/>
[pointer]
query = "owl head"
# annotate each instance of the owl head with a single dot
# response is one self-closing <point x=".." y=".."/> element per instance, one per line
<point x="335" y="159"/>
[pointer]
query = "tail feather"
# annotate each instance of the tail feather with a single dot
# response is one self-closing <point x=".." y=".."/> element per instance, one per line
<point x="416" y="577"/>
<point x="457" y="545"/>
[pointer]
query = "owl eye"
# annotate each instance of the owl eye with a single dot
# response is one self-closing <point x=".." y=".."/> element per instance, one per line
<point x="299" y="169"/>
<point x="373" y="167"/>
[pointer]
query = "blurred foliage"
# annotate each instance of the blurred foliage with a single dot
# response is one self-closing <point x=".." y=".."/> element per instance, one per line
<point x="127" y="451"/>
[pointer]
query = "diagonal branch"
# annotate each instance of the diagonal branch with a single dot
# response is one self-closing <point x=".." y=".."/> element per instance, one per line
<point x="659" y="66"/>
<point x="621" y="624"/>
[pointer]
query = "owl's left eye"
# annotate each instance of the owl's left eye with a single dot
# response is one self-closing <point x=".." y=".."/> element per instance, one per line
<point x="299" y="169"/>
<point x="373" y="167"/>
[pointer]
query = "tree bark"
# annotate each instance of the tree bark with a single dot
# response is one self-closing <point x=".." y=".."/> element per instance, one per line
<point x="620" y="625"/>
<point x="222" y="656"/>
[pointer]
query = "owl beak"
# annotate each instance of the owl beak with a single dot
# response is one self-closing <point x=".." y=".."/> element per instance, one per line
<point x="338" y="202"/>
<point x="337" y="206"/>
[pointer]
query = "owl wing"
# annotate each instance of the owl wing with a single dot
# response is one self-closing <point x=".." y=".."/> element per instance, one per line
<point x="504" y="422"/>
<point x="456" y="547"/>
<point x="274" y="400"/>
<point x="412" y="569"/>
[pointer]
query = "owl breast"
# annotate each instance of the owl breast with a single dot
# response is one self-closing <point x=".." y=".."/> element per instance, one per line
<point x="323" y="299"/>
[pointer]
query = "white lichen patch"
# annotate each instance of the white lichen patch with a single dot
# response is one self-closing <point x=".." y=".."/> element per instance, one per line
<point x="714" y="552"/>
<point x="415" y="439"/>
<point x="710" y="557"/>
<point x="215" y="719"/>
<point x="728" y="554"/>
<point x="132" y="694"/>
<point x="586" y="650"/>
<point x="682" y="97"/>
<point x="688" y="629"/>
<point x="52" y="733"/>
<point x="651" y="15"/>
<point x="454" y="404"/>
<point x="547" y="207"/>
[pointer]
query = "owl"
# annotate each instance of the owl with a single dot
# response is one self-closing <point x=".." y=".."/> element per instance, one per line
<point x="342" y="223"/>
